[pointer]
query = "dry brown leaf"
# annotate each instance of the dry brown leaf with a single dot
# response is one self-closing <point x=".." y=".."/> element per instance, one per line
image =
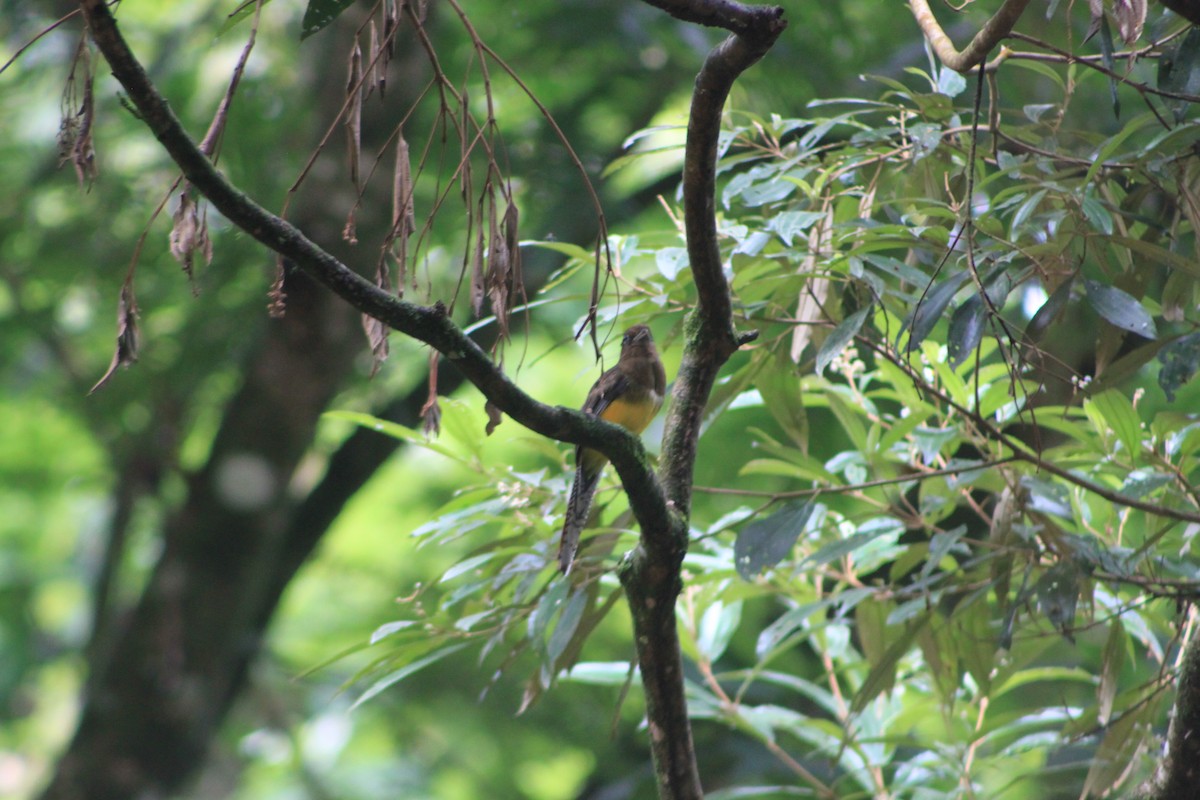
<point x="277" y="297"/>
<point x="431" y="412"/>
<point x="75" y="143"/>
<point x="512" y="243"/>
<point x="377" y="331"/>
<point x="404" y="221"/>
<point x="1130" y="16"/>
<point x="353" y="121"/>
<point x="127" y="333"/>
<point x="391" y="21"/>
<point x="477" y="274"/>
<point x="1096" y="11"/>
<point x="498" y="274"/>
<point x="811" y="304"/>
<point x="494" y="415"/>
<point x="185" y="233"/>
<point x="375" y="58"/>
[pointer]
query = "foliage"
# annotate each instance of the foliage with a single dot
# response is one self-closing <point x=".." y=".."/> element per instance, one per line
<point x="943" y="524"/>
<point x="973" y="585"/>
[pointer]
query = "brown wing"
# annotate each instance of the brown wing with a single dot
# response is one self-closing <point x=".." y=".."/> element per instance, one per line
<point x="612" y="384"/>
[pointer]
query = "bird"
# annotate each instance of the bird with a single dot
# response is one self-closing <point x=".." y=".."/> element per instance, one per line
<point x="629" y="395"/>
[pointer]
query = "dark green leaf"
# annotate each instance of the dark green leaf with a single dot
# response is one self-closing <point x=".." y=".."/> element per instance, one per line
<point x="244" y="12"/>
<point x="1179" y="363"/>
<point x="1121" y="309"/>
<point x="408" y="669"/>
<point x="1049" y="311"/>
<point x="883" y="671"/>
<point x="1179" y="72"/>
<point x="966" y="329"/>
<point x="779" y="385"/>
<point x="568" y="621"/>
<point x="764" y="543"/>
<point x="1110" y="669"/>
<point x="1057" y="593"/>
<point x="841" y="336"/>
<point x="942" y="545"/>
<point x="931" y="308"/>
<point x="1121" y="418"/>
<point x="319" y="14"/>
<point x="844" y="547"/>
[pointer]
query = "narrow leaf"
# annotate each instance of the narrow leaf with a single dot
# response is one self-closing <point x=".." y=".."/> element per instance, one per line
<point x="402" y="673"/>
<point x="127" y="333"/>
<point x="319" y="14"/>
<point x="841" y="336"/>
<point x="931" y="308"/>
<point x="1121" y="309"/>
<point x="1110" y="670"/>
<point x="763" y="543"/>
<point x="1179" y="360"/>
<point x="966" y="329"/>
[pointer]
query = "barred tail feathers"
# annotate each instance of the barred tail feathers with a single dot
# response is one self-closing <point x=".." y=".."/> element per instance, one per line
<point x="587" y="480"/>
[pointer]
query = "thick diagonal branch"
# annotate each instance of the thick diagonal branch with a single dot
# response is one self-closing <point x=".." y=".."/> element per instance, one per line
<point x="429" y="324"/>
<point x="993" y="31"/>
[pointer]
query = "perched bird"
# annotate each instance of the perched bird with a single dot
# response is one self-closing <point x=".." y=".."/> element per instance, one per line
<point x="628" y="395"/>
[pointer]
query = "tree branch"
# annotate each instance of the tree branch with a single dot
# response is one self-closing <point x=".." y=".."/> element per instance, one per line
<point x="651" y="575"/>
<point x="1182" y="766"/>
<point x="996" y="28"/>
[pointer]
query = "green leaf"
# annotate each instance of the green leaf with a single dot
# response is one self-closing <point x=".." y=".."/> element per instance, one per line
<point x="926" y="137"/>
<point x="1049" y="311"/>
<point x="931" y="308"/>
<point x="568" y="621"/>
<point x="567" y="249"/>
<point x="764" y="543"/>
<point x="950" y="83"/>
<point x="883" y="671"/>
<point x="396" y="676"/>
<point x="600" y="673"/>
<point x="778" y="631"/>
<point x="1179" y="360"/>
<point x="1121" y="418"/>
<point x="966" y="329"/>
<point x="243" y="13"/>
<point x="1179" y="72"/>
<point x="867" y="534"/>
<point x="1057" y="593"/>
<point x="319" y="14"/>
<point x="389" y="628"/>
<point x="717" y="626"/>
<point x="779" y="385"/>
<point x="791" y="224"/>
<point x="1121" y="309"/>
<point x="1121" y="742"/>
<point x="1097" y="215"/>
<point x="671" y="261"/>
<point x="841" y="336"/>
<point x="1110" y="669"/>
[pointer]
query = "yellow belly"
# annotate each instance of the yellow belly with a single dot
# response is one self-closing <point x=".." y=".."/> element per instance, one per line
<point x="633" y="414"/>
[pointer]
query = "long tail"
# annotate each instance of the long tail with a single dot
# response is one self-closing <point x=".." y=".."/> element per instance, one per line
<point x="582" y="490"/>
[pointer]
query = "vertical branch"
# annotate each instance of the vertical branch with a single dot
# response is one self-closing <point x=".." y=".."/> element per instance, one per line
<point x="651" y="575"/>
